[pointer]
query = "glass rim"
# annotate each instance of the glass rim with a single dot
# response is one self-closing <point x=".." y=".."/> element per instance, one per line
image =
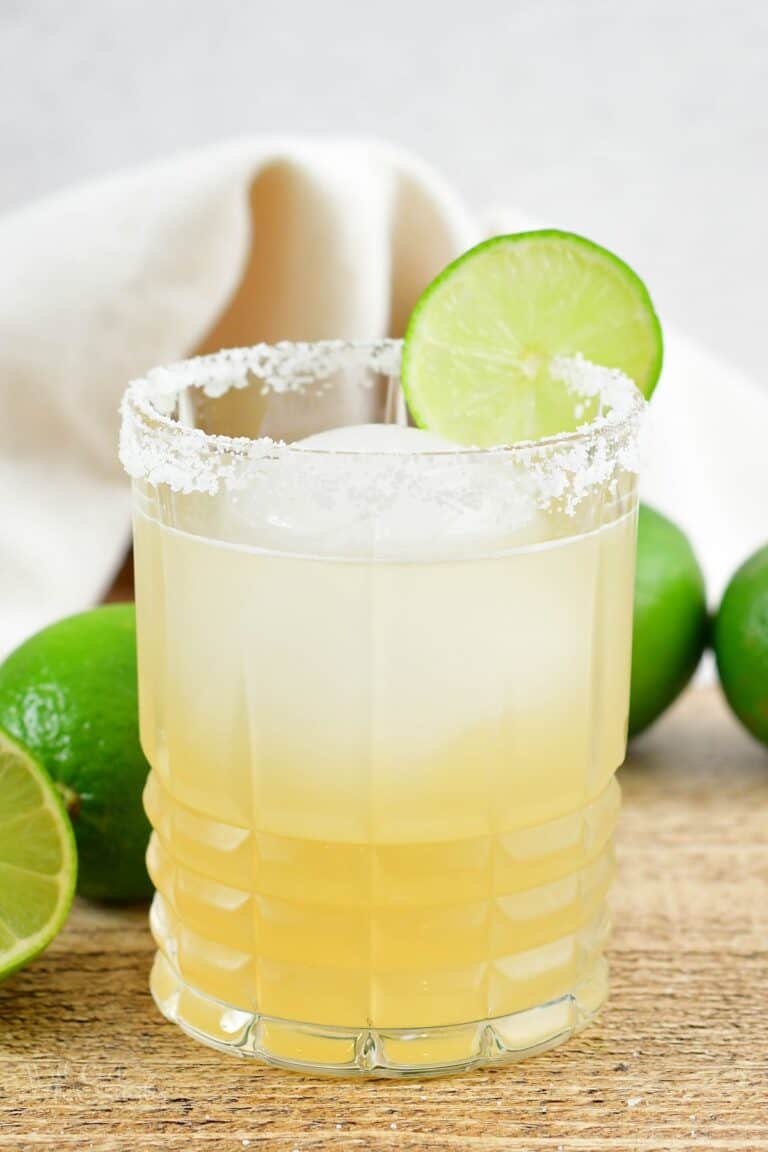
<point x="151" y="432"/>
<point x="143" y="392"/>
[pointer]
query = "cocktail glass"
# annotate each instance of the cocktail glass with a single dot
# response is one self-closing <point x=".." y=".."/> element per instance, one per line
<point x="384" y="695"/>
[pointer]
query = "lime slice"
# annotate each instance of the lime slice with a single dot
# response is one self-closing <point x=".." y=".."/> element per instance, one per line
<point x="480" y="343"/>
<point x="38" y="863"/>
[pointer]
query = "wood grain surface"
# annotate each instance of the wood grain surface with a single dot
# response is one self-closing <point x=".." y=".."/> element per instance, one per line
<point x="678" y="1059"/>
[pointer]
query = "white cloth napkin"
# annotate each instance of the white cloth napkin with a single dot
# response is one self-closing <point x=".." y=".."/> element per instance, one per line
<point x="261" y="240"/>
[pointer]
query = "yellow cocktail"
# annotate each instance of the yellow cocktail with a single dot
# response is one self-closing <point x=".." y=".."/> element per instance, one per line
<point x="384" y="693"/>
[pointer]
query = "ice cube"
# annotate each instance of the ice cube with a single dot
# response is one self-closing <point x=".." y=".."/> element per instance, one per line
<point x="387" y="492"/>
<point x="376" y="438"/>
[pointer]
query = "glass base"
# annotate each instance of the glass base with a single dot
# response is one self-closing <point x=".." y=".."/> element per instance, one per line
<point x="377" y="1052"/>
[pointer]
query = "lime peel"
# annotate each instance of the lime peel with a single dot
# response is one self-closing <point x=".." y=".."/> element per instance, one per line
<point x="69" y="696"/>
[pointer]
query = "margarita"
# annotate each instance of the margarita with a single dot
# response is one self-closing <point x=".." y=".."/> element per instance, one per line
<point x="384" y="690"/>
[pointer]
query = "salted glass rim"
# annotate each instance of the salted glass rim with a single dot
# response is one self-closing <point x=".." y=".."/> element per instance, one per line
<point x="284" y="366"/>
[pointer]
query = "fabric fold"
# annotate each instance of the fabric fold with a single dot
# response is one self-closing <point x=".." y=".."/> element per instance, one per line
<point x="267" y="240"/>
<point x="251" y="241"/>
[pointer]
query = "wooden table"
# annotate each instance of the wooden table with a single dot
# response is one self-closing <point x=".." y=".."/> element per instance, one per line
<point x="678" y="1060"/>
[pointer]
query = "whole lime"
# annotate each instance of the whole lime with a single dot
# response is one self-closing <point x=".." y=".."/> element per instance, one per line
<point x="670" y="623"/>
<point x="69" y="695"/>
<point x="741" y="644"/>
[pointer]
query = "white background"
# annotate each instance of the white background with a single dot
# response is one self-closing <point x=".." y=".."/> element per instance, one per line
<point x="639" y="122"/>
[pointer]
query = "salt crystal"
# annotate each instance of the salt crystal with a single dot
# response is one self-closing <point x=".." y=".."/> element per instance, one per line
<point x="165" y="451"/>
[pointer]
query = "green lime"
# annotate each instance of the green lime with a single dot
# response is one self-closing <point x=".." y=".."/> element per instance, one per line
<point x="69" y="695"/>
<point x="481" y="339"/>
<point x="670" y="624"/>
<point x="38" y="861"/>
<point x="741" y="644"/>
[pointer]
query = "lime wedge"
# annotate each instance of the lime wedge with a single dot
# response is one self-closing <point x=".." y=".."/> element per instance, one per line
<point x="482" y="337"/>
<point x="38" y="862"/>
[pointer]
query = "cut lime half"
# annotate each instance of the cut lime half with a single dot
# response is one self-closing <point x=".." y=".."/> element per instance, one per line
<point x="38" y="862"/>
<point x="482" y="337"/>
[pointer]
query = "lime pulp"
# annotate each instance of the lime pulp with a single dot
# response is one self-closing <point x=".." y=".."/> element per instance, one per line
<point x="482" y="337"/>
<point x="38" y="862"/>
